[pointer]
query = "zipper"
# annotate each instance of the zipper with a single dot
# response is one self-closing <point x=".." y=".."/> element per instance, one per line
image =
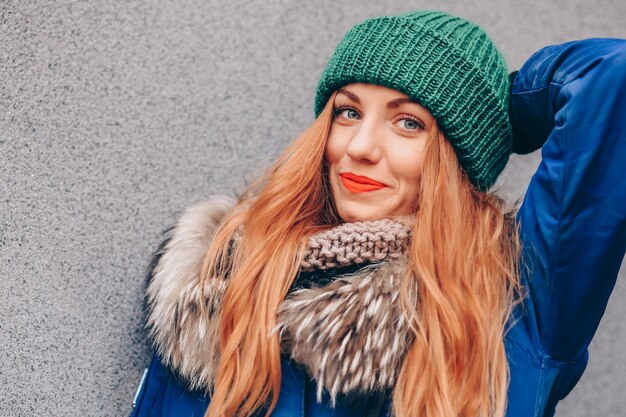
<point x="140" y="387"/>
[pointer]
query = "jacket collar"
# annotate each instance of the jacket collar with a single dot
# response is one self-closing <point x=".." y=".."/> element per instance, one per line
<point x="350" y="335"/>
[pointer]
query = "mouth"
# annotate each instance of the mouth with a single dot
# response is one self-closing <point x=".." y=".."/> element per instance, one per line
<point x="359" y="184"/>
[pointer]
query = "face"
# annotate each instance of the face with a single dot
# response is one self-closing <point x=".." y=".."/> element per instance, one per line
<point x="375" y="152"/>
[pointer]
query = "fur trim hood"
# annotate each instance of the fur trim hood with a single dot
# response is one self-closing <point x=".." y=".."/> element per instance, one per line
<point x="350" y="335"/>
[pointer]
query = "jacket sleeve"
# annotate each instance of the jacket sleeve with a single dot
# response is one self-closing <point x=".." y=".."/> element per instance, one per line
<point x="572" y="99"/>
<point x="148" y="398"/>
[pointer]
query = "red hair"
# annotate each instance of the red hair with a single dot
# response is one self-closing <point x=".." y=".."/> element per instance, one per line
<point x="464" y="255"/>
<point x="465" y="252"/>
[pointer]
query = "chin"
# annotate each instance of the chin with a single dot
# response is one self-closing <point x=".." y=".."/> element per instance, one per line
<point x="357" y="213"/>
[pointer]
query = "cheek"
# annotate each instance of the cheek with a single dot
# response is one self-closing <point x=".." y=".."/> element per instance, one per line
<point x="333" y="149"/>
<point x="407" y="166"/>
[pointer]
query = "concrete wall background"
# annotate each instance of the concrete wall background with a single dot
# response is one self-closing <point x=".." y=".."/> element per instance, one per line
<point x="115" y="116"/>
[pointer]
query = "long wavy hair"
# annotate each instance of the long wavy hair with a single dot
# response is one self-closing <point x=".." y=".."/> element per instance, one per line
<point x="464" y="254"/>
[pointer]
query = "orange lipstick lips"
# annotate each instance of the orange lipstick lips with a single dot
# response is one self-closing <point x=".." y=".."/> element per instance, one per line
<point x="359" y="184"/>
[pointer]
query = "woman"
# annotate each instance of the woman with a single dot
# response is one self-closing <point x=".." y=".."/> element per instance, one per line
<point x="371" y="271"/>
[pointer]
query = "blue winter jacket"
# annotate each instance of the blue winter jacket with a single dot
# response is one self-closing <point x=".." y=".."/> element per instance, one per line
<point x="571" y="100"/>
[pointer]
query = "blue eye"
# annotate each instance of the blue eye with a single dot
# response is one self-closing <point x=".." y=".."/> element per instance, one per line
<point x="337" y="111"/>
<point x="413" y="124"/>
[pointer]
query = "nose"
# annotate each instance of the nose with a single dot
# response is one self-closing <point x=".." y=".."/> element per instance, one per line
<point x="365" y="144"/>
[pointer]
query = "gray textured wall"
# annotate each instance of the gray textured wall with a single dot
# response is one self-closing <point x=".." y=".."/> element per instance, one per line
<point x="115" y="115"/>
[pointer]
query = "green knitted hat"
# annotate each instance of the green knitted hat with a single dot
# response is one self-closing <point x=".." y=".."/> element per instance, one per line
<point x="445" y="63"/>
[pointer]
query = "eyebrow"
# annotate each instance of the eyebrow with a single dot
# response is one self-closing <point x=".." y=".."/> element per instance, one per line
<point x="391" y="105"/>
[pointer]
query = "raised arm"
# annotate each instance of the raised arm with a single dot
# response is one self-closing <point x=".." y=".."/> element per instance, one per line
<point x="571" y="98"/>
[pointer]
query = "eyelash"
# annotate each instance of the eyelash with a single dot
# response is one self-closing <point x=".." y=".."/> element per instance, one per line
<point x="337" y="110"/>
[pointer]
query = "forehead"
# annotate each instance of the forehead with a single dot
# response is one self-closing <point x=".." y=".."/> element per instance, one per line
<point x="360" y="92"/>
<point x="371" y="89"/>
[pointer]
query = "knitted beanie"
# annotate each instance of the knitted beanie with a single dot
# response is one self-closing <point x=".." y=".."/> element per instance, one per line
<point x="445" y="63"/>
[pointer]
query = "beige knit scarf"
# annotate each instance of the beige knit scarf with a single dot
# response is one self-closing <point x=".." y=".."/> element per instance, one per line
<point x="357" y="243"/>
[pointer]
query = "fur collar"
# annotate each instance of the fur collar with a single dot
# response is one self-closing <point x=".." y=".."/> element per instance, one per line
<point x="350" y="335"/>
